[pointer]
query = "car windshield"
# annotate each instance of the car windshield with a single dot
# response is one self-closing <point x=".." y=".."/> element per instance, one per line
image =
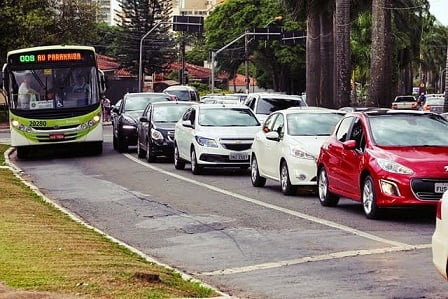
<point x="168" y="114"/>
<point x="312" y="124"/>
<point x="231" y="117"/>
<point x="409" y="130"/>
<point x="139" y="102"/>
<point x="269" y="105"/>
<point x="435" y="101"/>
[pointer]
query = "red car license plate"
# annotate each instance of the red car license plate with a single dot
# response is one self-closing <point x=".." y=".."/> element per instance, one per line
<point x="440" y="187"/>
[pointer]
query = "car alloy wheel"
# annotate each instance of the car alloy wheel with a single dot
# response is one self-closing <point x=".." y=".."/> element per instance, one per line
<point x="257" y="180"/>
<point x="195" y="168"/>
<point x="370" y="207"/>
<point x="149" y="156"/>
<point x="326" y="198"/>
<point x="287" y="187"/>
<point x="178" y="162"/>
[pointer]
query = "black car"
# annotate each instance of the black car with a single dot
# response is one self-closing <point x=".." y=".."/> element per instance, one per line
<point x="156" y="129"/>
<point x="125" y="120"/>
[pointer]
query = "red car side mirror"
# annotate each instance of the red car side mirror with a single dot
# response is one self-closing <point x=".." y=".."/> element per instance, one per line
<point x="349" y="144"/>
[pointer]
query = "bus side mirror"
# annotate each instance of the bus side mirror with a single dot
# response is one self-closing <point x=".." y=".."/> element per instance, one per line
<point x="102" y="78"/>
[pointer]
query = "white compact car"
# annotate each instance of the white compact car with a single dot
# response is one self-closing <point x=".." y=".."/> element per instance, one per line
<point x="215" y="135"/>
<point x="287" y="146"/>
<point x="440" y="237"/>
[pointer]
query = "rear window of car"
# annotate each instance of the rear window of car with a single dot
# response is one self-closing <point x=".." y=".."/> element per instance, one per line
<point x="409" y="130"/>
<point x="405" y="99"/>
<point x="231" y="117"/>
<point x="269" y="105"/>
<point x="435" y="101"/>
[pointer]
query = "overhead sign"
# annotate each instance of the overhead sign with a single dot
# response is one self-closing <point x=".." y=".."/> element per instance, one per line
<point x="271" y="33"/>
<point x="188" y="23"/>
<point x="296" y="37"/>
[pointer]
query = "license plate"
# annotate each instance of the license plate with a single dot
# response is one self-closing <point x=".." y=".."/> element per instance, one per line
<point x="57" y="136"/>
<point x="440" y="187"/>
<point x="238" y="156"/>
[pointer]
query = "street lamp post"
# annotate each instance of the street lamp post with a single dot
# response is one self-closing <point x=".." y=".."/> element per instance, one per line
<point x="140" y="62"/>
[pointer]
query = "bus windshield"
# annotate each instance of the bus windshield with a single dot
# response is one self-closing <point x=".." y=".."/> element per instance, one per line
<point x="53" y="88"/>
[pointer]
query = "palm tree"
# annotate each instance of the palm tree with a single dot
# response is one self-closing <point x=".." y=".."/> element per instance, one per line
<point x="343" y="52"/>
<point x="381" y="54"/>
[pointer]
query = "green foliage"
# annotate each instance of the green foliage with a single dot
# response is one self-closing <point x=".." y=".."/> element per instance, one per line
<point x="231" y="20"/>
<point x="139" y="18"/>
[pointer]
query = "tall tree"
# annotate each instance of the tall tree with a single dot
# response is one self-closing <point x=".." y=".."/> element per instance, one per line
<point x="137" y="19"/>
<point x="25" y="23"/>
<point x="343" y="53"/>
<point x="381" y="88"/>
<point x="76" y="22"/>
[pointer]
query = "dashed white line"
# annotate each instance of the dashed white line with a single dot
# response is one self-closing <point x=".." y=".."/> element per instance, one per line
<point x="274" y="207"/>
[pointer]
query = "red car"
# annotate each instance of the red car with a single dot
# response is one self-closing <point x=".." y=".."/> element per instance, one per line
<point x="385" y="159"/>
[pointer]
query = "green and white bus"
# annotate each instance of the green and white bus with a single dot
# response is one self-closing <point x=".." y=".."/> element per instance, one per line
<point x="53" y="96"/>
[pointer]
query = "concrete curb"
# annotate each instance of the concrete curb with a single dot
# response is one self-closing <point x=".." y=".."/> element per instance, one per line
<point x="18" y="173"/>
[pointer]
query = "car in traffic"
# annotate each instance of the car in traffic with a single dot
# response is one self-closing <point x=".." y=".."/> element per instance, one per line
<point x="287" y="146"/>
<point x="156" y="129"/>
<point x="385" y="159"/>
<point x="183" y="93"/>
<point x="124" y="122"/>
<point x="439" y="242"/>
<point x="264" y="104"/>
<point x="407" y="102"/>
<point x="434" y="103"/>
<point x="220" y="99"/>
<point x="214" y="135"/>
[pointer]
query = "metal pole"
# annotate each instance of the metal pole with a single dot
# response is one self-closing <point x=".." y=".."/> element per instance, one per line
<point x="246" y="62"/>
<point x="214" y="53"/>
<point x="140" y="62"/>
<point x="212" y="68"/>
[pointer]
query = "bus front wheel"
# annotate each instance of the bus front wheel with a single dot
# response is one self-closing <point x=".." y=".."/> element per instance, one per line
<point x="22" y="152"/>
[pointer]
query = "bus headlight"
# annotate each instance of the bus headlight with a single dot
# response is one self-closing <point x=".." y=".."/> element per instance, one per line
<point x="90" y="123"/>
<point x="15" y="124"/>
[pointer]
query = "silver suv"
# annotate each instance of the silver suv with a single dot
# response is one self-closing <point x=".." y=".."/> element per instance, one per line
<point x="264" y="104"/>
<point x="183" y="93"/>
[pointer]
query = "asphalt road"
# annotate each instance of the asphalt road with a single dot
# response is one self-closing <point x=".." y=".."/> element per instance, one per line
<point x="248" y="242"/>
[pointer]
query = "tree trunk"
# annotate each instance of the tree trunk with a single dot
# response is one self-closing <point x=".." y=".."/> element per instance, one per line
<point x="381" y="54"/>
<point x="343" y="53"/>
<point x="326" y="60"/>
<point x="445" y="106"/>
<point x="312" y="59"/>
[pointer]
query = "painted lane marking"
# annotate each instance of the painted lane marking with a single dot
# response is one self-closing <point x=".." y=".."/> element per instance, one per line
<point x="274" y="207"/>
<point x="315" y="258"/>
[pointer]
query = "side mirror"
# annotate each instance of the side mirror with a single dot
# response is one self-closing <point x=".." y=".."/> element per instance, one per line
<point x="103" y="84"/>
<point x="349" y="145"/>
<point x="273" y="135"/>
<point x="143" y="119"/>
<point x="187" y="123"/>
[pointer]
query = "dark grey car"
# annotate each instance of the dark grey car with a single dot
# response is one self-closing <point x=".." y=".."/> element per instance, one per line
<point x="125" y="120"/>
<point x="156" y="129"/>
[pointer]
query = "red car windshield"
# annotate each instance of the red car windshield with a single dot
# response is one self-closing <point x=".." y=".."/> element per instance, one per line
<point x="409" y="130"/>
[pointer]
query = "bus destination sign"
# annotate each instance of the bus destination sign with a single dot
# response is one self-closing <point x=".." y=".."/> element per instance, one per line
<point x="50" y="57"/>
